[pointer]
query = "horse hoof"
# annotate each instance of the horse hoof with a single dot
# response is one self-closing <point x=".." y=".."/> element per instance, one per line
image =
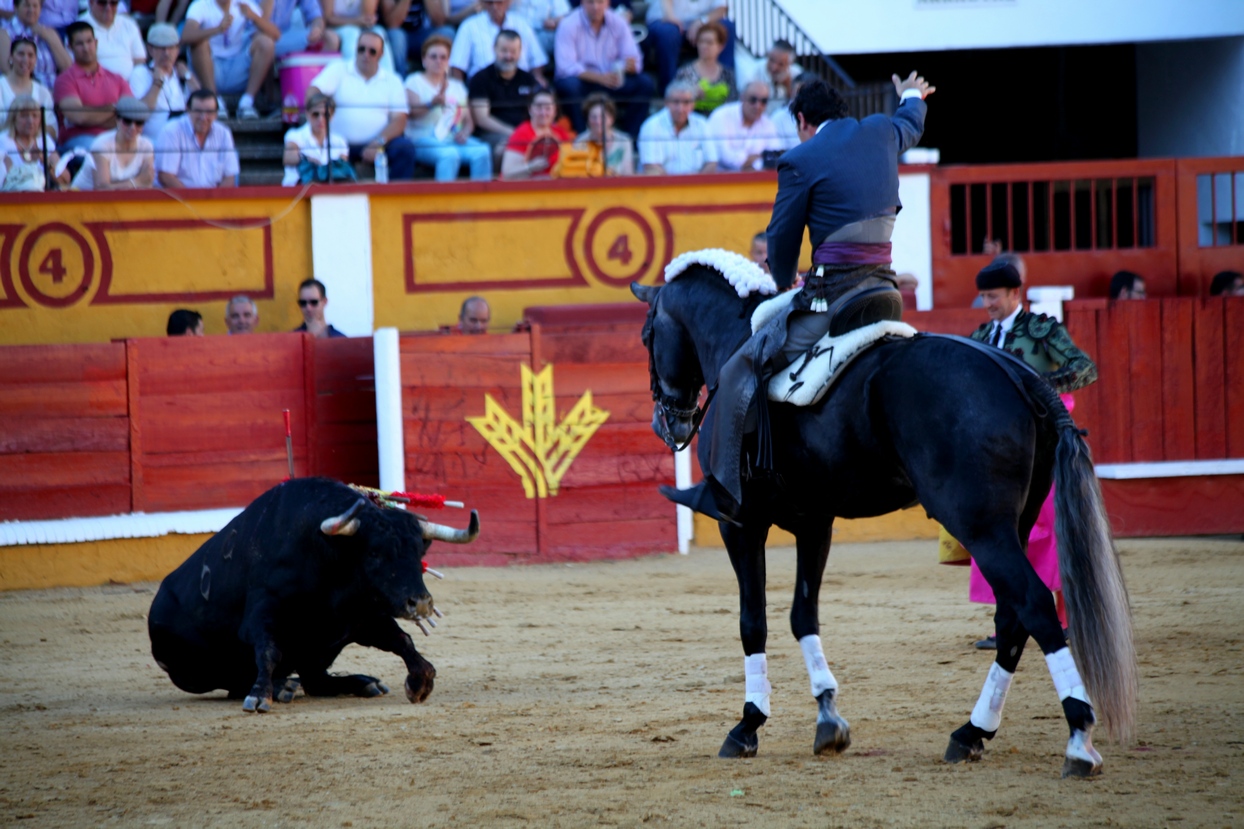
<point x="958" y="752"/>
<point x="1075" y="767"/>
<point x="289" y="690"/>
<point x="733" y="748"/>
<point x="253" y="704"/>
<point x="375" y="689"/>
<point x="832" y="737"/>
<point x="418" y="690"/>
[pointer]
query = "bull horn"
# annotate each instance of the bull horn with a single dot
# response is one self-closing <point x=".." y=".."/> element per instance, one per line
<point x="439" y="532"/>
<point x="344" y="524"/>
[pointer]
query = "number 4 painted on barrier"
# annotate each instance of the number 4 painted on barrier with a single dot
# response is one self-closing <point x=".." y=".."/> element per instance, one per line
<point x="52" y="266"/>
<point x="621" y="250"/>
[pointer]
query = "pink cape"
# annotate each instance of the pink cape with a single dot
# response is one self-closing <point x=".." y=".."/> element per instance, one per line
<point x="1042" y="547"/>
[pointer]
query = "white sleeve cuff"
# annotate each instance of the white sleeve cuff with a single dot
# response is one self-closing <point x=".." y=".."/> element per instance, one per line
<point x="909" y="93"/>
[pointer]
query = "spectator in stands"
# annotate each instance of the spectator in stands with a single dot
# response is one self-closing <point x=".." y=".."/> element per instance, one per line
<point x="779" y="72"/>
<point x="184" y="323"/>
<point x="120" y="43"/>
<point x="1227" y="283"/>
<point x="51" y="56"/>
<point x="24" y="146"/>
<point x="310" y="34"/>
<point x="123" y="159"/>
<point x="616" y="150"/>
<point x="195" y="150"/>
<point x="371" y="107"/>
<point x="86" y="93"/>
<point x="232" y="48"/>
<point x="409" y="24"/>
<point x="476" y="40"/>
<point x="312" y="300"/>
<point x="759" y="252"/>
<point x="20" y="80"/>
<point x="534" y="146"/>
<point x="500" y="93"/>
<point x="622" y="7"/>
<point x="714" y="79"/>
<point x="474" y="316"/>
<point x="543" y="16"/>
<point x="675" y="141"/>
<point x="156" y="83"/>
<point x="674" y="27"/>
<point x="742" y="131"/>
<point x="241" y="315"/>
<point x="459" y="10"/>
<point x="440" y="122"/>
<point x="596" y="52"/>
<point x="1127" y="285"/>
<point x="784" y="121"/>
<point x="350" y="18"/>
<point x="58" y="14"/>
<point x="310" y="143"/>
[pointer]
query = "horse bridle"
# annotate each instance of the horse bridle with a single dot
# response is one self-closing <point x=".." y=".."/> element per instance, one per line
<point x="669" y="406"/>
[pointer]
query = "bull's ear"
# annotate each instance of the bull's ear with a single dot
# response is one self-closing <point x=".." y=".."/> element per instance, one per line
<point x="344" y="524"/>
<point x="647" y="293"/>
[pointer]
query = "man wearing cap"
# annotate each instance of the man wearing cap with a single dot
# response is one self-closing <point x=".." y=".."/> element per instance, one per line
<point x="122" y="159"/>
<point x="156" y="83"/>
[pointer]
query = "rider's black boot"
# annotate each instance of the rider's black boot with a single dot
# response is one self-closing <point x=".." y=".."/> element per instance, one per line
<point x="707" y="498"/>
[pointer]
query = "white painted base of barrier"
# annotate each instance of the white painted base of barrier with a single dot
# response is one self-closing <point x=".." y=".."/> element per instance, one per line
<point x="1169" y="469"/>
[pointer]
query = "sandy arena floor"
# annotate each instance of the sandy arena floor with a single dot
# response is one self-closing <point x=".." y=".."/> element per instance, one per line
<point x="599" y="694"/>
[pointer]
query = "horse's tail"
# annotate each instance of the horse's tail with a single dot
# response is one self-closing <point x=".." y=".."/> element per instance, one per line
<point x="1098" y="613"/>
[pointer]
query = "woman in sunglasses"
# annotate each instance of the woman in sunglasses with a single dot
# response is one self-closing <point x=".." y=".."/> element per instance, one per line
<point x="20" y="80"/>
<point x="310" y="142"/>
<point x="123" y="159"/>
<point x="51" y="56"/>
<point x="440" y="122"/>
<point x="26" y="149"/>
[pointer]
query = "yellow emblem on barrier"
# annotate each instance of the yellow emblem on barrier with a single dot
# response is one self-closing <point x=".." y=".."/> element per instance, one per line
<point x="539" y="449"/>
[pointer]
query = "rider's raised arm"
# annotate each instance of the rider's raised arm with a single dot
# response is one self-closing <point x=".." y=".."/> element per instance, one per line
<point x="908" y="120"/>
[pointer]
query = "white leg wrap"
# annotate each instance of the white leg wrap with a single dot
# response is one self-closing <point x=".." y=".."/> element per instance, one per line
<point x="1066" y="676"/>
<point x="987" y="715"/>
<point x="756" y="672"/>
<point x="818" y="669"/>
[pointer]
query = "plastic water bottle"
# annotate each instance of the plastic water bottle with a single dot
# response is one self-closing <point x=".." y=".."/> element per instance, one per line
<point x="382" y="167"/>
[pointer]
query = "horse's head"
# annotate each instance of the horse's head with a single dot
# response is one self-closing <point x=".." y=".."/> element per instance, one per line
<point x="673" y="369"/>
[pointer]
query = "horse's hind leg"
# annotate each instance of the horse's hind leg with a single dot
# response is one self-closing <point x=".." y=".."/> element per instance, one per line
<point x="746" y="546"/>
<point x="968" y="741"/>
<point x="833" y="733"/>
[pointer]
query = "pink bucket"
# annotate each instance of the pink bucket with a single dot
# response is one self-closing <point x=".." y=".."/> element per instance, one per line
<point x="297" y="70"/>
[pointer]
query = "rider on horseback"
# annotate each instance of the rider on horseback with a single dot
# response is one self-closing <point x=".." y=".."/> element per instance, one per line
<point x="842" y="184"/>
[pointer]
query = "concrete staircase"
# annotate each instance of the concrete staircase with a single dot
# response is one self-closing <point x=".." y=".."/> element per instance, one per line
<point x="260" y="143"/>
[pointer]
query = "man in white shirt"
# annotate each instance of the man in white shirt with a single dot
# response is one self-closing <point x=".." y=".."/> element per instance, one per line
<point x="780" y="72"/>
<point x="473" y="45"/>
<point x="371" y="107"/>
<point x="742" y="132"/>
<point x="543" y="17"/>
<point x="196" y="151"/>
<point x="156" y="84"/>
<point x="232" y="47"/>
<point x="675" y="140"/>
<point x="120" y="46"/>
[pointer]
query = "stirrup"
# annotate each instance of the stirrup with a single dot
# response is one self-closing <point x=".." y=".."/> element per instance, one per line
<point x="706" y="500"/>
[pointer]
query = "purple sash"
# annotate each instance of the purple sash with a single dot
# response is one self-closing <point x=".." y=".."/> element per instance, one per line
<point x="852" y="253"/>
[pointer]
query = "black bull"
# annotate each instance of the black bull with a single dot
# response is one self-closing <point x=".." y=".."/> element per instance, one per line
<point x="309" y="567"/>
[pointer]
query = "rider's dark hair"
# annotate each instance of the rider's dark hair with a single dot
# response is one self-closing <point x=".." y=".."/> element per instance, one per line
<point x="819" y="102"/>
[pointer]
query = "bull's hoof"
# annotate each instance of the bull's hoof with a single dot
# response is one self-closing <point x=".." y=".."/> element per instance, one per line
<point x="287" y="692"/>
<point x="1075" y="767"/>
<point x="375" y="689"/>
<point x="418" y="689"/>
<point x="958" y="752"/>
<point x="253" y="704"/>
<point x="734" y="747"/>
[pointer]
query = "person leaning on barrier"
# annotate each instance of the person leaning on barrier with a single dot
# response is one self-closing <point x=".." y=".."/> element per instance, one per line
<point x="675" y="141"/>
<point x="86" y="93"/>
<point x="1227" y="283"/>
<point x="474" y="316"/>
<point x="1127" y="285"/>
<point x="371" y="107"/>
<point x="123" y="159"/>
<point x="596" y="52"/>
<point x="312" y="300"/>
<point x="500" y="93"/>
<point x="759" y="251"/>
<point x="241" y="315"/>
<point x="196" y="150"/>
<point x="184" y="323"/>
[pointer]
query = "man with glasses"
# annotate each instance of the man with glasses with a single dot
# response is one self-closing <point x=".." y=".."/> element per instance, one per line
<point x="312" y="299"/>
<point x="533" y="148"/>
<point x="473" y="45"/>
<point x="232" y="47"/>
<point x="596" y="52"/>
<point x="156" y="84"/>
<point x="86" y="93"/>
<point x="195" y="150"/>
<point x="742" y="132"/>
<point x="675" y="141"/>
<point x="120" y="46"/>
<point x="371" y="107"/>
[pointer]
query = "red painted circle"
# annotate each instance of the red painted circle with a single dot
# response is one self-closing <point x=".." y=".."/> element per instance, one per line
<point x="589" y="239"/>
<point x="88" y="266"/>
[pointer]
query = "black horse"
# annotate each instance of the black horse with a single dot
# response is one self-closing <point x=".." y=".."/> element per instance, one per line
<point x="976" y="438"/>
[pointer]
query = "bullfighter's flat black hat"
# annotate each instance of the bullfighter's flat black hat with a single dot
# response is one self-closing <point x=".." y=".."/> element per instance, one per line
<point x="998" y="275"/>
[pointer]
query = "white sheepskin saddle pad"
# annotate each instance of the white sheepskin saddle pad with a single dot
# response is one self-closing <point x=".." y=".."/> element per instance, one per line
<point x="805" y="381"/>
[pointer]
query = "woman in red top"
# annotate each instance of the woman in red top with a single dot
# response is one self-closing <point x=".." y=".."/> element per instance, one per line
<point x="533" y="147"/>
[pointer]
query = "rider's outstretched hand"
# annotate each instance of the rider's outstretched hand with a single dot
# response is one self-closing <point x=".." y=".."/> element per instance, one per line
<point x="915" y="82"/>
